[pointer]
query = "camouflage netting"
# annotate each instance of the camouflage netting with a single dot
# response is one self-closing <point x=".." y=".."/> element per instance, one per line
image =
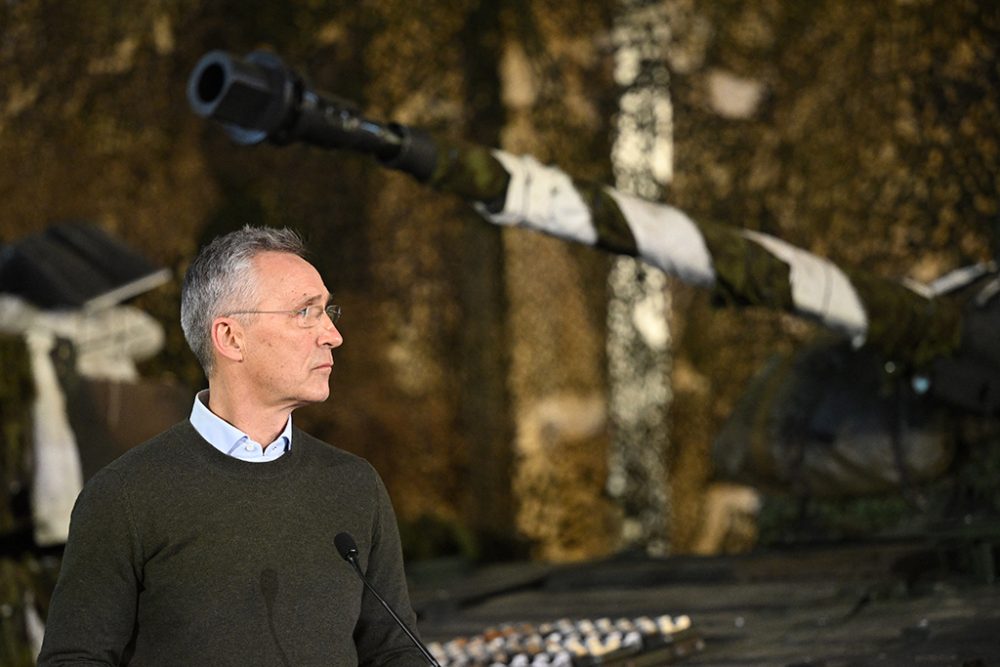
<point x="868" y="142"/>
<point x="473" y="373"/>
<point x="25" y="582"/>
<point x="556" y="374"/>
<point x="16" y="395"/>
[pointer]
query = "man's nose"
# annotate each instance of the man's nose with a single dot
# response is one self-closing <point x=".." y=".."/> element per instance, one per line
<point x="330" y="335"/>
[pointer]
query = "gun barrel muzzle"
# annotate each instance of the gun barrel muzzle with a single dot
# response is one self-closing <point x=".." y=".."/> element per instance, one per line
<point x="258" y="97"/>
<point x="252" y="97"/>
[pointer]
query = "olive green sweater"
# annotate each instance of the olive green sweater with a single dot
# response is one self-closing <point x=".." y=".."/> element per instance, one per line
<point x="180" y="555"/>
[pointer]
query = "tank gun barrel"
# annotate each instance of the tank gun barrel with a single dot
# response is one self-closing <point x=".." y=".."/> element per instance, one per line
<point x="258" y="98"/>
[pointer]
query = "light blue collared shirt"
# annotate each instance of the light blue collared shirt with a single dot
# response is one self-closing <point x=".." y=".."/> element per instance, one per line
<point x="230" y="440"/>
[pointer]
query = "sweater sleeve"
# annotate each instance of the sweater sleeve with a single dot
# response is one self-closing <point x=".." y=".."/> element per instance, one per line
<point x="379" y="639"/>
<point x="92" y="614"/>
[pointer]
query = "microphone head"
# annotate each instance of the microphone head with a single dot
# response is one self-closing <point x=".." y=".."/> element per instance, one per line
<point x="346" y="546"/>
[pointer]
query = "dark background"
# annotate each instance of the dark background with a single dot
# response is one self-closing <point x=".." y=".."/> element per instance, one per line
<point x="875" y="145"/>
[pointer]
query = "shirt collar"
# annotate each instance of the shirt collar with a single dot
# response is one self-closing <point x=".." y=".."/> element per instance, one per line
<point x="230" y="440"/>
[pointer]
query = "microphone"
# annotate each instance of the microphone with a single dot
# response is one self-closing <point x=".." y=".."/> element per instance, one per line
<point x="348" y="550"/>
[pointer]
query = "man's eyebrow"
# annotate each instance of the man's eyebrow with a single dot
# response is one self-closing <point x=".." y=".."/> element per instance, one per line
<point x="316" y="298"/>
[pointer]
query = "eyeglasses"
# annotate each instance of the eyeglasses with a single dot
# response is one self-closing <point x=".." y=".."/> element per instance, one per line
<point x="306" y="317"/>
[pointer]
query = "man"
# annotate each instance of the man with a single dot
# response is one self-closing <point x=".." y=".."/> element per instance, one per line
<point x="212" y="543"/>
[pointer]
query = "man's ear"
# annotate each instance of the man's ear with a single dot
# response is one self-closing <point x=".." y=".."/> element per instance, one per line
<point x="227" y="338"/>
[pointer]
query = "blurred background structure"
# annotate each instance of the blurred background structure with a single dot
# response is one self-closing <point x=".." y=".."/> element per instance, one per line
<point x="490" y="374"/>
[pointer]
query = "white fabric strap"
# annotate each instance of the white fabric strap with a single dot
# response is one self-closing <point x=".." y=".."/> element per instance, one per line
<point x="667" y="238"/>
<point x="819" y="288"/>
<point x="543" y="198"/>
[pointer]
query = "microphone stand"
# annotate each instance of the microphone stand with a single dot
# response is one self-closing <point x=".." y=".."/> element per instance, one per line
<point x="350" y="554"/>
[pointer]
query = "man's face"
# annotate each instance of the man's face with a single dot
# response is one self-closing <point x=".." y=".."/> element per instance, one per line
<point x="286" y="365"/>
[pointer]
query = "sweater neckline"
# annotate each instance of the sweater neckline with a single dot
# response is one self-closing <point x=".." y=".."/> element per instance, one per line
<point x="203" y="451"/>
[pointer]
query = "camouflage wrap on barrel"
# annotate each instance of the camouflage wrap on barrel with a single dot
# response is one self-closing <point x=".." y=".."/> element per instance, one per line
<point x="741" y="267"/>
<point x="469" y="171"/>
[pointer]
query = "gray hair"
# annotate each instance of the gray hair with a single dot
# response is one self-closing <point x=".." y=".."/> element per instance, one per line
<point x="221" y="279"/>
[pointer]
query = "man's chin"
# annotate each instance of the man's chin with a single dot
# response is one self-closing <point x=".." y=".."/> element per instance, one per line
<point x="321" y="394"/>
<point x="309" y="397"/>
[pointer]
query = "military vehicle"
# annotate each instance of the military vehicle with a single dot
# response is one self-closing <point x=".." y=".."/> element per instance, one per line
<point x="869" y="409"/>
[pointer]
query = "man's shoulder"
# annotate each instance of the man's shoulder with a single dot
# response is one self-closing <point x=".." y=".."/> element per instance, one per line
<point x="161" y="448"/>
<point x="140" y="466"/>
<point x="327" y="454"/>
